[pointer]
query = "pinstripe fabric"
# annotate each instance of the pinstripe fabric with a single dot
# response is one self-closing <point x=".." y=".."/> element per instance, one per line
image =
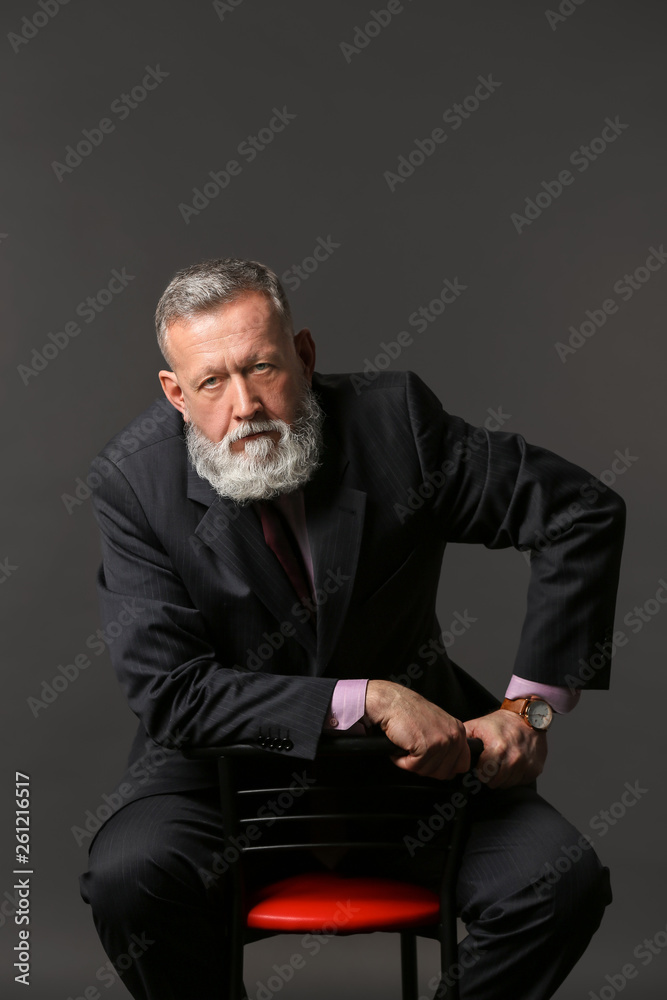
<point x="217" y="647"/>
<point x="209" y="644"/>
<point x="153" y="881"/>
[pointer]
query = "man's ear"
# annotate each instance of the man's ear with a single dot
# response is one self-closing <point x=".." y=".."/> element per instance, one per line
<point x="304" y="345"/>
<point x="172" y="390"/>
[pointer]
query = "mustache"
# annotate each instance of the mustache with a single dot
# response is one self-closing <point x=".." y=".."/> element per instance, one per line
<point x="254" y="427"/>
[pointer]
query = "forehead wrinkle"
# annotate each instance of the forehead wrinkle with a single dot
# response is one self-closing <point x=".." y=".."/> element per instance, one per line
<point x="228" y="335"/>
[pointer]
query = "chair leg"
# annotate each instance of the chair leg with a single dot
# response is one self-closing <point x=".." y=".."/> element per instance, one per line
<point x="233" y="952"/>
<point x="449" y="984"/>
<point x="448" y="955"/>
<point x="237" y="990"/>
<point x="409" y="965"/>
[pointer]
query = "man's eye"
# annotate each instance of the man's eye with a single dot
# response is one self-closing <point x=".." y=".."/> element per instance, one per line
<point x="262" y="365"/>
<point x="210" y="381"/>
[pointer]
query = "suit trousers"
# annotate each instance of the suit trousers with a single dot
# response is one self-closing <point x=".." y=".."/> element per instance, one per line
<point x="531" y="892"/>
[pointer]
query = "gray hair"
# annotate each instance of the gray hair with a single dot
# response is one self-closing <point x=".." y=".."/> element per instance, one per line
<point x="202" y="286"/>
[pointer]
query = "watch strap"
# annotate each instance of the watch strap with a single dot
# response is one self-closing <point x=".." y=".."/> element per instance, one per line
<point x="517" y="705"/>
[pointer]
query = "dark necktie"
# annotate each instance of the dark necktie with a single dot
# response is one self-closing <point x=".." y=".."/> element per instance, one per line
<point x="281" y="541"/>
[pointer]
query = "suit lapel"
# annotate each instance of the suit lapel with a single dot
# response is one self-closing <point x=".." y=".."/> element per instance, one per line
<point x="334" y="520"/>
<point x="335" y="539"/>
<point x="235" y="535"/>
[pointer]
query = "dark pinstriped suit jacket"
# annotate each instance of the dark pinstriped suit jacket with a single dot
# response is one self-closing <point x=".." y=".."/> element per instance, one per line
<point x="217" y="647"/>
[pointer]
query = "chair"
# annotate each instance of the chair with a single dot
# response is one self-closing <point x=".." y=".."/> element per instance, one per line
<point x="339" y="806"/>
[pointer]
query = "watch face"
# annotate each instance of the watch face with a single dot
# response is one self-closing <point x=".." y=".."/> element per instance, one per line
<point x="539" y="714"/>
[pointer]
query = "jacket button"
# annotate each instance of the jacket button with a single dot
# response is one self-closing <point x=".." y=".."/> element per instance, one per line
<point x="288" y="745"/>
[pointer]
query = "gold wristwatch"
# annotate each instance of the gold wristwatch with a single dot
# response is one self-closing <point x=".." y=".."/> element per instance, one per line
<point x="536" y="713"/>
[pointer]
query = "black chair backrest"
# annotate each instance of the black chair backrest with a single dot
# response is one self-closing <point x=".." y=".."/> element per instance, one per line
<point x="351" y="796"/>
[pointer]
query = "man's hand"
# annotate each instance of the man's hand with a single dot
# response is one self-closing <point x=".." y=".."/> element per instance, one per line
<point x="514" y="753"/>
<point x="435" y="740"/>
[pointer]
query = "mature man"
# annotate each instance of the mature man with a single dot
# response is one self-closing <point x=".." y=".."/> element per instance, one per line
<point x="262" y="535"/>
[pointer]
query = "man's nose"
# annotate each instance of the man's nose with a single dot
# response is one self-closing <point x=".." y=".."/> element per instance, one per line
<point x="246" y="403"/>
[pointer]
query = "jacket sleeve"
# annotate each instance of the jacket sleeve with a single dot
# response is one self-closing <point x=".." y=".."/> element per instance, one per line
<point x="496" y="489"/>
<point x="164" y="659"/>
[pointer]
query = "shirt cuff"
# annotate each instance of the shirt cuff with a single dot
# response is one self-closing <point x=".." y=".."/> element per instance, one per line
<point x="561" y="699"/>
<point x="348" y="704"/>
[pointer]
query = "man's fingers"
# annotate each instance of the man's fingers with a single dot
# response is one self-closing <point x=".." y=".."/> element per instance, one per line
<point x="434" y="741"/>
<point x="427" y="767"/>
<point x="507" y="769"/>
<point x="513" y="754"/>
<point x="441" y="763"/>
<point x="490" y="770"/>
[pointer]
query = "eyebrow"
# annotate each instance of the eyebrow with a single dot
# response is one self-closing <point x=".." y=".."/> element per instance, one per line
<point x="251" y="359"/>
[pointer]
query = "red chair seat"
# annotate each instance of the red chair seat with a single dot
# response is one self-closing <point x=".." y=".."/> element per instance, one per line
<point x="324" y="901"/>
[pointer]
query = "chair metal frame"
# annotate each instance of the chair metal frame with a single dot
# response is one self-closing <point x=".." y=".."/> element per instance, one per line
<point x="236" y="817"/>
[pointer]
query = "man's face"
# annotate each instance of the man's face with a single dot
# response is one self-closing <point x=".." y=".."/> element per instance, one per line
<point x="253" y="423"/>
<point x="234" y="365"/>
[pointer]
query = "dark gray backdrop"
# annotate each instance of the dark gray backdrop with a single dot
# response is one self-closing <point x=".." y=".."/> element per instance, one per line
<point x="552" y="81"/>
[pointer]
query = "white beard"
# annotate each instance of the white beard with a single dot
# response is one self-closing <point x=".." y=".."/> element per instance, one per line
<point x="265" y="468"/>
